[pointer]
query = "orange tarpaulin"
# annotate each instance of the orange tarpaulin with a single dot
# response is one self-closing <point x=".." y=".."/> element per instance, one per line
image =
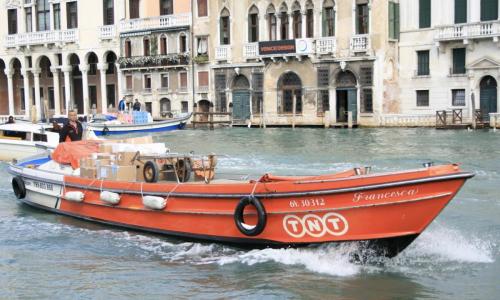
<point x="70" y="153"/>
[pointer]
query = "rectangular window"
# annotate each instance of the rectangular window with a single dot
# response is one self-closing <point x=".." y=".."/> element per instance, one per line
<point x="220" y="82"/>
<point x="57" y="16"/>
<point x="257" y="81"/>
<point x="460" y="11"/>
<point x="164" y="81"/>
<point x="272" y="26"/>
<point x="108" y="12"/>
<point x="72" y="14"/>
<point x="224" y="31"/>
<point x="128" y="48"/>
<point x="394" y="20"/>
<point x="184" y="106"/>
<point x="458" y="61"/>
<point x="183" y="80"/>
<point x="145" y="45"/>
<point x="253" y="28"/>
<point x="323" y="101"/>
<point x="93" y="96"/>
<point x="323" y="77"/>
<point x="328" y="21"/>
<point x="166" y="7"/>
<point x="489" y="10"/>
<point x="423" y="63"/>
<point x="203" y="79"/>
<point x="367" y="101"/>
<point x="202" y="8"/>
<point x="362" y="18"/>
<point x="12" y="22"/>
<point x="163" y="45"/>
<point x="257" y="100"/>
<point x="202" y="43"/>
<point x="182" y="43"/>
<point x="309" y="23"/>
<point x="424" y="18"/>
<point x="458" y="97"/>
<point x="284" y="25"/>
<point x="221" y="104"/>
<point x="366" y="74"/>
<point x="423" y="98"/>
<point x="147" y="81"/>
<point x="129" y="82"/>
<point x="297" y="24"/>
<point x="43" y="15"/>
<point x="29" y="19"/>
<point x="51" y="98"/>
<point x="134" y="9"/>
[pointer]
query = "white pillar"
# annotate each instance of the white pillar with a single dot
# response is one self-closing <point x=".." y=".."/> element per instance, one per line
<point x="57" y="94"/>
<point x="51" y="8"/>
<point x="27" y="99"/>
<point x="119" y="80"/>
<point x="85" y="86"/>
<point x="10" y="87"/>
<point x="38" y="105"/>
<point x="104" y="95"/>
<point x="304" y="23"/>
<point x="278" y="27"/>
<point x="262" y="27"/>
<point x="290" y="26"/>
<point x="34" y="25"/>
<point x="67" y="87"/>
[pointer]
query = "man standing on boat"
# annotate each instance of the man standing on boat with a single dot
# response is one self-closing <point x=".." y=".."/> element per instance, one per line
<point x="137" y="105"/>
<point x="122" y="104"/>
<point x="71" y="131"/>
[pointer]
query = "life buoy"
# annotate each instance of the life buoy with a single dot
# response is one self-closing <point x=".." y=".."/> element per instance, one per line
<point x="246" y="229"/>
<point x="105" y="130"/>
<point x="151" y="172"/>
<point x="183" y="168"/>
<point x="18" y="187"/>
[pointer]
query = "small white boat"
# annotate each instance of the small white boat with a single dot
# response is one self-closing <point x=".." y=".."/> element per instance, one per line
<point x="21" y="140"/>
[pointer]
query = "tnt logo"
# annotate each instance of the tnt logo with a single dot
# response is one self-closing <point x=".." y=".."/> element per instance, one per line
<point x="315" y="226"/>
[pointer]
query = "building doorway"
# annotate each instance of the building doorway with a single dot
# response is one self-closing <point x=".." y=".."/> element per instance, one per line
<point x="346" y="97"/>
<point x="488" y="97"/>
<point x="241" y="98"/>
<point x="290" y="87"/>
<point x="203" y="106"/>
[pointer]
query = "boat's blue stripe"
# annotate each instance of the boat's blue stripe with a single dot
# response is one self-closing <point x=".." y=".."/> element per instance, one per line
<point x="166" y="128"/>
<point x="37" y="161"/>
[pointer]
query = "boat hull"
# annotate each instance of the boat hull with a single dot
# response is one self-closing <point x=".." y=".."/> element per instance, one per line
<point x="389" y="215"/>
<point x="10" y="150"/>
<point x="160" y="126"/>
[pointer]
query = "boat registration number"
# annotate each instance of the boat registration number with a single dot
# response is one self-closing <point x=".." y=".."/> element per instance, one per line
<point x="312" y="202"/>
<point x="43" y="185"/>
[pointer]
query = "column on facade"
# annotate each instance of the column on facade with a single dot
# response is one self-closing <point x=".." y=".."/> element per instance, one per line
<point x="278" y="27"/>
<point x="290" y="26"/>
<point x="103" y="67"/>
<point x="51" y="8"/>
<point x="10" y="91"/>
<point x="119" y="80"/>
<point x="67" y="86"/>
<point x="304" y="23"/>
<point x="85" y="86"/>
<point x="318" y="20"/>
<point x="33" y="18"/>
<point x="57" y="94"/>
<point x="262" y="27"/>
<point x="36" y="77"/>
<point x="27" y="100"/>
<point x="333" y="108"/>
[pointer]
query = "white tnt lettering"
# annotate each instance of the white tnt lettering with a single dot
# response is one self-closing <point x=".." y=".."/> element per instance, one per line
<point x="294" y="224"/>
<point x="335" y="223"/>
<point x="315" y="226"/>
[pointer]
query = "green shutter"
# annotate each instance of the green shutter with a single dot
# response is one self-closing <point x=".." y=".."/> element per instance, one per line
<point x="425" y="13"/>
<point x="396" y="17"/>
<point x="489" y="10"/>
<point x="460" y="11"/>
<point x="391" y="21"/>
<point x="323" y="22"/>
<point x="221" y="30"/>
<point x="459" y="61"/>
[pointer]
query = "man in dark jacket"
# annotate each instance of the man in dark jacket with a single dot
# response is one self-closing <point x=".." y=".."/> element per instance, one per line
<point x="71" y="131"/>
<point x="137" y="105"/>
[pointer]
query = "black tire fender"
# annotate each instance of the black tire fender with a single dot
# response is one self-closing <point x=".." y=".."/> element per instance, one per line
<point x="18" y="187"/>
<point x="151" y="172"/>
<point x="261" y="216"/>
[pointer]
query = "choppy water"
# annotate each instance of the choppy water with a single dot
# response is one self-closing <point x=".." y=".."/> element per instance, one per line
<point x="458" y="257"/>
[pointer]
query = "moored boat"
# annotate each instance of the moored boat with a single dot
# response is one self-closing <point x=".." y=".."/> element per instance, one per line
<point x="23" y="139"/>
<point x="101" y="128"/>
<point x="182" y="196"/>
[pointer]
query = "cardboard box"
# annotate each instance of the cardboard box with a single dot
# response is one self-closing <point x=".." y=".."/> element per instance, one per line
<point x="120" y="173"/>
<point x="86" y="172"/>
<point x="126" y="158"/>
<point x="87" y="162"/>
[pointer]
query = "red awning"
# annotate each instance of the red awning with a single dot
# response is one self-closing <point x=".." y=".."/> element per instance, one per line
<point x="72" y="152"/>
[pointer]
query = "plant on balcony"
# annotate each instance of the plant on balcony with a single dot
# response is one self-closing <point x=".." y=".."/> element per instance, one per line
<point x="153" y="61"/>
<point x="201" y="59"/>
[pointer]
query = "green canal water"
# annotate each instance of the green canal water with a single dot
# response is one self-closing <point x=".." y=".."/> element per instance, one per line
<point x="48" y="256"/>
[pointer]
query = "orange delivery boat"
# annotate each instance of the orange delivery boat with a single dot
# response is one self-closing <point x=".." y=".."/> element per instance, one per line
<point x="182" y="196"/>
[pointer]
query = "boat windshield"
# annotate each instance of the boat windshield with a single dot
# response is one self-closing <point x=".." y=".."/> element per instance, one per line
<point x="14" y="135"/>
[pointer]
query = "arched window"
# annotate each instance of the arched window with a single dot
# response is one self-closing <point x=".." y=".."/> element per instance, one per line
<point x="309" y="20"/>
<point x="328" y="18"/>
<point x="253" y="25"/>
<point x="297" y="21"/>
<point x="284" y="22"/>
<point x="146" y="47"/>
<point x="163" y="45"/>
<point x="165" y="106"/>
<point x="271" y="22"/>
<point x="128" y="48"/>
<point x="290" y="87"/>
<point x="182" y="43"/>
<point x="225" y="28"/>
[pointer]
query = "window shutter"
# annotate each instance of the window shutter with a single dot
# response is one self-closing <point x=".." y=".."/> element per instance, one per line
<point x="459" y="61"/>
<point x="391" y="20"/>
<point x="489" y="10"/>
<point x="425" y="13"/>
<point x="324" y="23"/>
<point x="396" y="17"/>
<point x="460" y="11"/>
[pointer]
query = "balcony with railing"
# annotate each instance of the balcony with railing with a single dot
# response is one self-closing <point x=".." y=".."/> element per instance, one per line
<point x="136" y="62"/>
<point x="168" y="21"/>
<point x="360" y="43"/>
<point x="42" y="38"/>
<point x="326" y="45"/>
<point x="251" y="50"/>
<point x="107" y="32"/>
<point x="223" y="52"/>
<point x="455" y="32"/>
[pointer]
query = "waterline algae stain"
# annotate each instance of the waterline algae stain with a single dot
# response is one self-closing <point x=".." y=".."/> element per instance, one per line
<point x="44" y="255"/>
